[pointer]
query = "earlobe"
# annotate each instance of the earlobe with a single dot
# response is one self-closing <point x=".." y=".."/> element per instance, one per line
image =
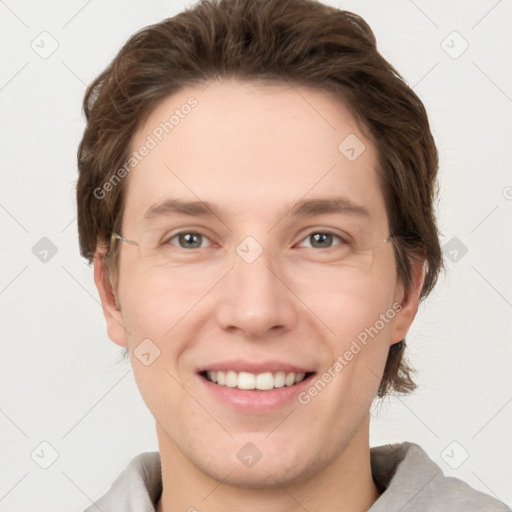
<point x="409" y="299"/>
<point x="115" y="323"/>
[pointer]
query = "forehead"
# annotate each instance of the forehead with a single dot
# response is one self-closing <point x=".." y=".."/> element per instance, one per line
<point x="249" y="149"/>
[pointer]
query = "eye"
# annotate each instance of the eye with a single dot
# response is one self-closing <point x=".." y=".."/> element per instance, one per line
<point x="322" y="240"/>
<point x="188" y="240"/>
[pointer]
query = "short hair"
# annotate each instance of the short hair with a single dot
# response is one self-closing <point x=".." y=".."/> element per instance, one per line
<point x="299" y="42"/>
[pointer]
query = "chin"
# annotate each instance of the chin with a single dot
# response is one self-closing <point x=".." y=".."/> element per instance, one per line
<point x="278" y="467"/>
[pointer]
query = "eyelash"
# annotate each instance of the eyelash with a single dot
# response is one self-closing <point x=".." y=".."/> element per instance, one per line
<point x="329" y="233"/>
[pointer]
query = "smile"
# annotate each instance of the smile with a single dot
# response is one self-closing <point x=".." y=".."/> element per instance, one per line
<point x="262" y="381"/>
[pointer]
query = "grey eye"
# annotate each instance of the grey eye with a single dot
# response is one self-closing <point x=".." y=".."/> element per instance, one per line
<point x="321" y="240"/>
<point x="189" y="240"/>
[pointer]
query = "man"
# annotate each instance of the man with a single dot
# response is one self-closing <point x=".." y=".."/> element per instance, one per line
<point x="256" y="193"/>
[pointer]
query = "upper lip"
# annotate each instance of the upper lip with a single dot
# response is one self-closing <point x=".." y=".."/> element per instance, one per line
<point x="255" y="367"/>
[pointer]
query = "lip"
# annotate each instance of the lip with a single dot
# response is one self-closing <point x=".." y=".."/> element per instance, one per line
<point x="238" y="365"/>
<point x="255" y="401"/>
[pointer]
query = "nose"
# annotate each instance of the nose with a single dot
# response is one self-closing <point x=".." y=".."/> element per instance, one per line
<point x="256" y="300"/>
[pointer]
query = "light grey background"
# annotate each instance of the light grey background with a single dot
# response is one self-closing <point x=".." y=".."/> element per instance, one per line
<point x="62" y="381"/>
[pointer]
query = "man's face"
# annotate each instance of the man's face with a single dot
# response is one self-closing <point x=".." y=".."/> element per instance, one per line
<point x="259" y="288"/>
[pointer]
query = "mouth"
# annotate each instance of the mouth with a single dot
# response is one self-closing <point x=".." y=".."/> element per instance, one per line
<point x="254" y="387"/>
<point x="263" y="381"/>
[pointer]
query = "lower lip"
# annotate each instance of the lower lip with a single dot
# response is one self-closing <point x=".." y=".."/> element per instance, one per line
<point x="254" y="400"/>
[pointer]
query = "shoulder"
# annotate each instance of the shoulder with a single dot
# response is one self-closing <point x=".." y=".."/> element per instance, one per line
<point x="136" y="489"/>
<point x="410" y="481"/>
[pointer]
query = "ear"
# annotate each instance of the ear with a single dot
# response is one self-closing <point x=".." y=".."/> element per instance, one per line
<point x="410" y="301"/>
<point x="111" y="310"/>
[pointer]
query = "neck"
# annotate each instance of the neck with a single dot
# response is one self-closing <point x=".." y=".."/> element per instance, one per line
<point x="345" y="484"/>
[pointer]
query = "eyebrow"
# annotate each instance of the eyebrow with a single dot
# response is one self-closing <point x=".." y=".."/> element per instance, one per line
<point x="303" y="208"/>
<point x="311" y="207"/>
<point x="180" y="207"/>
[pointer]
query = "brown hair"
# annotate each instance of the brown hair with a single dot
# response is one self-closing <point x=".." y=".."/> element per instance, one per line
<point x="302" y="42"/>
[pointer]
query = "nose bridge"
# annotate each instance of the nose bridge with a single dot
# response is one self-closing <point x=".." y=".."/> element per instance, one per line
<point x="254" y="270"/>
<point x="254" y="298"/>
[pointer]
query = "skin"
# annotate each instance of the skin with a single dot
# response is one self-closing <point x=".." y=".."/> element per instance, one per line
<point x="254" y="150"/>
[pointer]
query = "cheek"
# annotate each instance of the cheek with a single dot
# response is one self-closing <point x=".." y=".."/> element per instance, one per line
<point x="152" y="315"/>
<point x="153" y="305"/>
<point x="360" y="319"/>
<point x="159" y="316"/>
<point x="346" y="306"/>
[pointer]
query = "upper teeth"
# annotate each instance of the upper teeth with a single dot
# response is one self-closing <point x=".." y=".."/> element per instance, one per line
<point x="262" y="381"/>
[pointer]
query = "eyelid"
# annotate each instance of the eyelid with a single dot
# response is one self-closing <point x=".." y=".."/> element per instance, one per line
<point x="344" y="239"/>
<point x="171" y="234"/>
<point x="314" y="229"/>
<point x="167" y="239"/>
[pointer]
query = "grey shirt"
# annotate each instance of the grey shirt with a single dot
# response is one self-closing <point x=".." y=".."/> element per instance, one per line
<point x="408" y="480"/>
